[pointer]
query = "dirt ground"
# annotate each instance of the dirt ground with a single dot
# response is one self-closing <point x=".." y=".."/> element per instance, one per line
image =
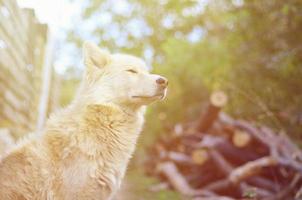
<point x="136" y="186"/>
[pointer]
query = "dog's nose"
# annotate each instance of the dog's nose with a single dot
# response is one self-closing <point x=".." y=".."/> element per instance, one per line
<point x="162" y="81"/>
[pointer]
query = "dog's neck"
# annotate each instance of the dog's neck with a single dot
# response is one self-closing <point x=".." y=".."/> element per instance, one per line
<point x="115" y="132"/>
<point x="100" y="122"/>
<point x="102" y="132"/>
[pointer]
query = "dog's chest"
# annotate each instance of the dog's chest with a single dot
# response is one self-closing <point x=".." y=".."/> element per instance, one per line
<point x="86" y="179"/>
<point x="76" y="173"/>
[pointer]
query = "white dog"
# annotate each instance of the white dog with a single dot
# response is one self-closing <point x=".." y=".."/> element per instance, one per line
<point x="85" y="148"/>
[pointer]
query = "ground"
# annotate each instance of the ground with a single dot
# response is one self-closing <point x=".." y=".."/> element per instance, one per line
<point x="136" y="186"/>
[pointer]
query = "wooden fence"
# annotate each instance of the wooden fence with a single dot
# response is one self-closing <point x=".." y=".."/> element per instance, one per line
<point x="22" y="47"/>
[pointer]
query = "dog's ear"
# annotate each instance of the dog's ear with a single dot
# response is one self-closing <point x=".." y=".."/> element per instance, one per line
<point x="95" y="56"/>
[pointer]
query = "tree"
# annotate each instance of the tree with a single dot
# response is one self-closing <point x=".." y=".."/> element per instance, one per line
<point x="251" y="49"/>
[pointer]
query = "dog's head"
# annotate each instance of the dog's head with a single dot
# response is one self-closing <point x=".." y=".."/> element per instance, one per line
<point x="120" y="79"/>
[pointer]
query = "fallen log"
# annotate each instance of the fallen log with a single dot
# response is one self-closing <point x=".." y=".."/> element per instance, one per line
<point x="225" y="157"/>
<point x="227" y="168"/>
<point x="286" y="191"/>
<point x="224" y="165"/>
<point x="178" y="182"/>
<point x="255" y="192"/>
<point x="217" y="100"/>
<point x="218" y="185"/>
<point x="251" y="168"/>
<point x="241" y="173"/>
<point x="241" y="138"/>
<point x="179" y="158"/>
<point x="159" y="187"/>
<point x="264" y="183"/>
<point x="240" y="156"/>
<point x="200" y="156"/>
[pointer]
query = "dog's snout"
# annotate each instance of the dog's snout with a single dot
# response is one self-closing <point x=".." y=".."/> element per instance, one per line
<point x="162" y="81"/>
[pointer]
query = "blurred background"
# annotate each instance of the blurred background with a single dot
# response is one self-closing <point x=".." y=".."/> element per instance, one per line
<point x="249" y="51"/>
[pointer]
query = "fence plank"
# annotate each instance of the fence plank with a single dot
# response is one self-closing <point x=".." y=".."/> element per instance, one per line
<point x="18" y="18"/>
<point x="22" y="49"/>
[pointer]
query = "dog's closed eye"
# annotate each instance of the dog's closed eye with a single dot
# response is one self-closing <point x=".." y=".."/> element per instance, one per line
<point x="131" y="71"/>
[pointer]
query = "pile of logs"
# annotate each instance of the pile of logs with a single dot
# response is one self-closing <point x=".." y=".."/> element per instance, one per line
<point x="221" y="158"/>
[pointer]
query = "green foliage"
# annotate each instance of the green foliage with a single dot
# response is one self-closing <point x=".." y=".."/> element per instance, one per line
<point x="251" y="49"/>
<point x="264" y="81"/>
